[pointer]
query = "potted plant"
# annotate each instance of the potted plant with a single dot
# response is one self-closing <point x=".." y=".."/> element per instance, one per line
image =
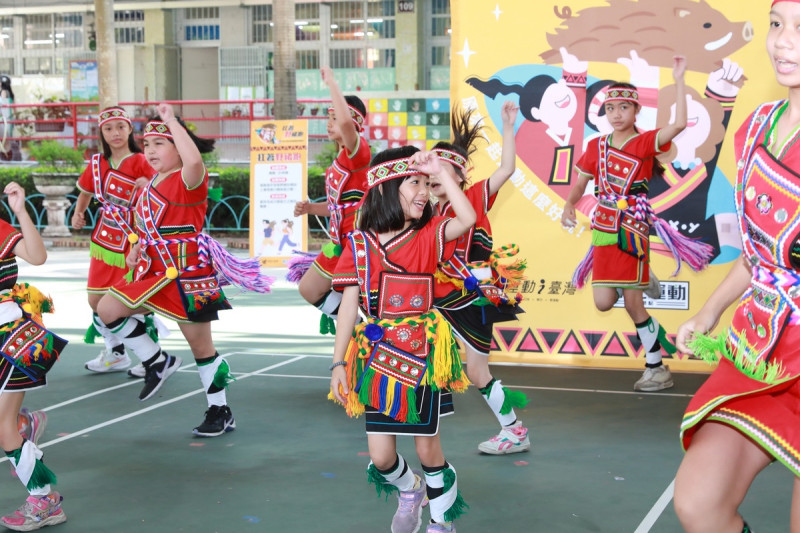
<point x="49" y="118"/>
<point x="55" y="176"/>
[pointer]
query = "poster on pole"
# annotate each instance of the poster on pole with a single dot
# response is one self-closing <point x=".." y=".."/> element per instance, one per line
<point x="83" y="82"/>
<point x="278" y="170"/>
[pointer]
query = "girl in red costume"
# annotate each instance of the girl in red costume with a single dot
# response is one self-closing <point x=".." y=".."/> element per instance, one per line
<point x="115" y="179"/>
<point x="400" y="364"/>
<point x="745" y="416"/>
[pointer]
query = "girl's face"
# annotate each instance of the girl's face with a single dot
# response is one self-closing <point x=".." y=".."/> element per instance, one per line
<point x="413" y="194"/>
<point x="783" y="42"/>
<point x="334" y="131"/>
<point x="621" y="114"/>
<point x="436" y="187"/>
<point x="161" y="154"/>
<point x="116" y="133"/>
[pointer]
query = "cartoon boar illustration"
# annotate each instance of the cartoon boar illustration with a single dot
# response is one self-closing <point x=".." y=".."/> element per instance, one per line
<point x="656" y="29"/>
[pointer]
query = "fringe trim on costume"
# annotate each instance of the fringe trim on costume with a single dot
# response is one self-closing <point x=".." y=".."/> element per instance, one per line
<point x="230" y="270"/>
<point x="215" y="193"/>
<point x="584" y="269"/>
<point x="694" y="253"/>
<point x="602" y="238"/>
<point x="223" y="377"/>
<point x="512" y="399"/>
<point x="331" y="250"/>
<point x="41" y="475"/>
<point x="298" y="265"/>
<point x="199" y="301"/>
<point x="129" y="276"/>
<point x="32" y="301"/>
<point x="444" y="278"/>
<point x="381" y="485"/>
<point x="115" y="259"/>
<point x="633" y="243"/>
<point x="459" y="506"/>
<point x="710" y="348"/>
<point x="91" y="334"/>
<point x="444" y="366"/>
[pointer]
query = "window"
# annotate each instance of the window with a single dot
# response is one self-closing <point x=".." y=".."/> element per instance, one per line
<point x="69" y="30"/>
<point x="6" y="34"/>
<point x="37" y="65"/>
<point x="362" y="58"/>
<point x="306" y="21"/>
<point x="262" y="24"/>
<point x="349" y="22"/>
<point x="129" y="26"/>
<point x="199" y="24"/>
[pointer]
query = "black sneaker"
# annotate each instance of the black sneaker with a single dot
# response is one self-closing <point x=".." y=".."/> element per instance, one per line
<point x="219" y="420"/>
<point x="156" y="374"/>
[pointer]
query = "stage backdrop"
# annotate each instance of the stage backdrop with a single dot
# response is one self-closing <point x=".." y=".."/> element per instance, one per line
<point x="555" y="60"/>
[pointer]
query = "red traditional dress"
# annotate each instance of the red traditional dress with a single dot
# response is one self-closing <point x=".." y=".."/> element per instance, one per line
<point x="345" y="184"/>
<point x="27" y="349"/>
<point x="402" y="361"/>
<point x="174" y="276"/>
<point x="467" y="309"/>
<point x="620" y="225"/>
<point x="755" y="388"/>
<point x="114" y="187"/>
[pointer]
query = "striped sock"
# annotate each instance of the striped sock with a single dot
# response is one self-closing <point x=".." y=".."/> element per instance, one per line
<point x="445" y="501"/>
<point x="214" y="374"/>
<point x="648" y="334"/>
<point x="398" y="477"/>
<point x="112" y="341"/>
<point x="135" y="338"/>
<point x="495" y="395"/>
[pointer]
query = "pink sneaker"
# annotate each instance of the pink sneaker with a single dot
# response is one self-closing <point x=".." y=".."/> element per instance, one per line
<point x="31" y="424"/>
<point x="511" y="439"/>
<point x="36" y="513"/>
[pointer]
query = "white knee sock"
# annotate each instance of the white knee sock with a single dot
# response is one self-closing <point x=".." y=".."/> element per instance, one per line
<point x="209" y="369"/>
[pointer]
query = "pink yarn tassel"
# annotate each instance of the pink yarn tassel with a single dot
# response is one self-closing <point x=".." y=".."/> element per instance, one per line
<point x="298" y="265"/>
<point x="230" y="270"/>
<point x="584" y="269"/>
<point x="694" y="253"/>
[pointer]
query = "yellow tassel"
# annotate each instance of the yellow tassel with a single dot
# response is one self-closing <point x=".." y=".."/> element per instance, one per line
<point x="353" y="407"/>
<point x="447" y="369"/>
<point x="444" y="278"/>
<point x="389" y="396"/>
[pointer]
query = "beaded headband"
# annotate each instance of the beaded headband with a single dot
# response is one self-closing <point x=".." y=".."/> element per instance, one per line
<point x="113" y="114"/>
<point x="157" y="129"/>
<point x="389" y="170"/>
<point x="454" y="158"/>
<point x="356" y="115"/>
<point x="616" y="94"/>
<point x="776" y="1"/>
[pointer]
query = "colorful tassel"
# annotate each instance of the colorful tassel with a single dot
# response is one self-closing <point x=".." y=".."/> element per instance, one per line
<point x="230" y="270"/>
<point x="298" y="265"/>
<point x="584" y="269"/>
<point x="512" y="399"/>
<point x="710" y="348"/>
<point x="694" y="253"/>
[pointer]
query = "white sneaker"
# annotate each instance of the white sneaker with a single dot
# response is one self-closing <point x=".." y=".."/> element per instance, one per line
<point x="137" y="371"/>
<point x="109" y="362"/>
<point x="653" y="289"/>
<point x="511" y="439"/>
<point x="654" y="379"/>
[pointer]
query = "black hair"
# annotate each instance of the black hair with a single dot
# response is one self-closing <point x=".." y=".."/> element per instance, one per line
<point x="5" y="85"/>
<point x="382" y="210"/>
<point x="530" y="94"/>
<point x="465" y="133"/>
<point x="356" y="102"/>
<point x="133" y="146"/>
<point x="592" y="91"/>
<point x="204" y="146"/>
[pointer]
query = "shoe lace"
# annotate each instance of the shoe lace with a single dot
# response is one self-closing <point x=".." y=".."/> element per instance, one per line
<point x="407" y="500"/>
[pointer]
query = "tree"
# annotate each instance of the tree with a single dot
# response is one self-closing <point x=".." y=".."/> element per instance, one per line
<point x="284" y="64"/>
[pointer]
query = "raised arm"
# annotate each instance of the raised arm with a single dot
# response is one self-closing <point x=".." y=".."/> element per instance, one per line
<point x="669" y="132"/>
<point x="508" y="160"/>
<point x="341" y="111"/>
<point x="31" y="247"/>
<point x="193" y="168"/>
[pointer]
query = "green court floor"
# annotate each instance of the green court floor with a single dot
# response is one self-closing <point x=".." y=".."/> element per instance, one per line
<point x="602" y="459"/>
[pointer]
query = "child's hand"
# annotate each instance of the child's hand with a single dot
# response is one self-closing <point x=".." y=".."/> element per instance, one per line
<point x="509" y="113"/>
<point x="301" y="208"/>
<point x="327" y="75"/>
<point x="426" y="163"/>
<point x="568" y="218"/>
<point x="141" y="183"/>
<point x="339" y="384"/>
<point x="698" y="324"/>
<point x="132" y="259"/>
<point x="165" y="112"/>
<point x="678" y="67"/>
<point x="78" y="220"/>
<point x="16" y="196"/>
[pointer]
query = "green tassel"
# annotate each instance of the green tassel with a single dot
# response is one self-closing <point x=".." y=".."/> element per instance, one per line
<point x="459" y="506"/>
<point x="601" y="238"/>
<point x="366" y="386"/>
<point x="150" y="327"/>
<point x="108" y="257"/>
<point x="215" y="193"/>
<point x="665" y="342"/>
<point x="708" y="349"/>
<point x="41" y="476"/>
<point x="512" y="399"/>
<point x="332" y="250"/>
<point x="331" y="326"/>
<point x="411" y="397"/>
<point x="91" y="334"/>
<point x="377" y="479"/>
<point x="129" y="276"/>
<point x="223" y="376"/>
<point x="47" y="306"/>
<point x="323" y="324"/>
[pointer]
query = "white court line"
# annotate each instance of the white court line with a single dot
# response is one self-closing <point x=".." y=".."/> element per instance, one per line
<point x="658" y="508"/>
<point x="603" y="391"/>
<point x="151" y="408"/>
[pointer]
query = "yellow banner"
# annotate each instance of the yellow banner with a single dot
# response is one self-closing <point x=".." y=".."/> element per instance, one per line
<point x="278" y="163"/>
<point x="555" y="62"/>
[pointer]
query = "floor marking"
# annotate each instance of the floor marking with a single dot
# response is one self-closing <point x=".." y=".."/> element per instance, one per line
<point x="658" y="508"/>
<point x="603" y="391"/>
<point x="153" y="407"/>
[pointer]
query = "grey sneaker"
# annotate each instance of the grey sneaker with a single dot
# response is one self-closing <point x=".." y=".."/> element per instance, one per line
<point x="654" y="379"/>
<point x="435" y="527"/>
<point x="408" y="517"/>
<point x="653" y="289"/>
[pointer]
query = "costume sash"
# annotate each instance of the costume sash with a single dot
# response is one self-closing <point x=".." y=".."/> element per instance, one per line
<point x="115" y="198"/>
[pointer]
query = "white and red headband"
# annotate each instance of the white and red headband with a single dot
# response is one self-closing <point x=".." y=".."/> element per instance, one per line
<point x="449" y="156"/>
<point x="389" y="170"/>
<point x="356" y="115"/>
<point x="157" y="129"/>
<point x="107" y="115"/>
<point x="621" y="94"/>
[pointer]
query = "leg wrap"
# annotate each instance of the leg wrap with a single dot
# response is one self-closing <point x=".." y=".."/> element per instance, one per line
<point x="502" y="401"/>
<point x="134" y="337"/>
<point x="214" y="375"/>
<point x="398" y="478"/>
<point x="31" y="471"/>
<point x="443" y="496"/>
<point x="112" y="341"/>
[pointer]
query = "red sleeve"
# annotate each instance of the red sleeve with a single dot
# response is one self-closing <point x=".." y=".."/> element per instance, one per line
<point x="587" y="164"/>
<point x="649" y="142"/>
<point x="9" y="238"/>
<point x="479" y="197"/>
<point x="86" y="181"/>
<point x="142" y="168"/>
<point x="444" y="249"/>
<point x="345" y="273"/>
